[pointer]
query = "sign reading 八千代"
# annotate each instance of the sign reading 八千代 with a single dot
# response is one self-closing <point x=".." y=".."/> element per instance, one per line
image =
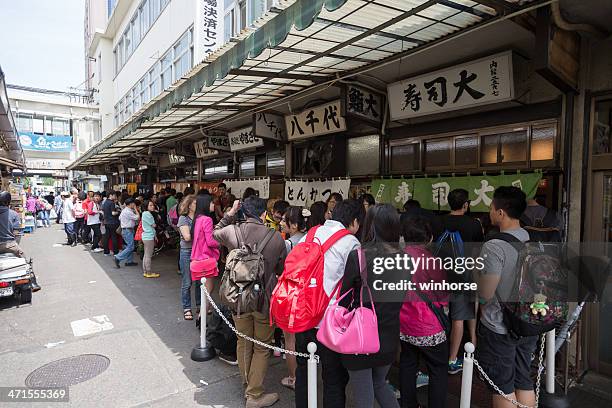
<point x="269" y="126"/>
<point x="320" y="120"/>
<point x="484" y="81"/>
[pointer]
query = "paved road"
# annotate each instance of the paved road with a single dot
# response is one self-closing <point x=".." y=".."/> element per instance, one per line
<point x="149" y="344"/>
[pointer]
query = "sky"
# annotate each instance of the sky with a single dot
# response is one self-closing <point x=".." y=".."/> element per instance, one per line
<point x="42" y="43"/>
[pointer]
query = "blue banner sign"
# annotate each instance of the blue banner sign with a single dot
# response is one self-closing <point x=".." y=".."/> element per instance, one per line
<point x="32" y="141"/>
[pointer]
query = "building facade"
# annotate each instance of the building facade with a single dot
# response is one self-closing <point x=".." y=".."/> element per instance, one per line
<point x="136" y="49"/>
<point x="54" y="128"/>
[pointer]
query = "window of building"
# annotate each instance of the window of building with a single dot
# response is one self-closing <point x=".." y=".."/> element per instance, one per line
<point x="602" y="136"/>
<point x="136" y="97"/>
<point x="24" y="122"/>
<point x="60" y="127"/>
<point x="514" y="146"/>
<point x="48" y="125"/>
<point x="229" y="27"/>
<point x="128" y="105"/>
<point x="99" y="66"/>
<point x="166" y="70"/>
<point x="136" y="31"/>
<point x="154" y="82"/>
<point x="363" y="155"/>
<point x="405" y="158"/>
<point x="116" y="117"/>
<point x="144" y="90"/>
<point x="243" y="15"/>
<point x="38" y="124"/>
<point x="143" y="15"/>
<point x="438" y="153"/>
<point x="466" y="151"/>
<point x="182" y="56"/>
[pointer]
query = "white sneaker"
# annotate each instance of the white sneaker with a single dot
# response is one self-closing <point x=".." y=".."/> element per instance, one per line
<point x="97" y="250"/>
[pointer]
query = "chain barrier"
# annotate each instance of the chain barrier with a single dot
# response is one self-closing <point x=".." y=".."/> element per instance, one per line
<point x="538" y="379"/>
<point x="252" y="340"/>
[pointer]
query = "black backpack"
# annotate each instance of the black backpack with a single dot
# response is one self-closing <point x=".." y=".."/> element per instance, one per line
<point x="542" y="229"/>
<point x="539" y="293"/>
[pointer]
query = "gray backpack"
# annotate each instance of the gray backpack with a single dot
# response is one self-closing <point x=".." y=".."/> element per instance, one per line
<point x="243" y="287"/>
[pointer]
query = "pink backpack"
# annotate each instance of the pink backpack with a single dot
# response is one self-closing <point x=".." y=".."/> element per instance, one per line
<point x="173" y="216"/>
<point x="354" y="331"/>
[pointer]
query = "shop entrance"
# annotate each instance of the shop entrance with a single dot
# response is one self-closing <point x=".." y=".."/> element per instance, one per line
<point x="600" y="314"/>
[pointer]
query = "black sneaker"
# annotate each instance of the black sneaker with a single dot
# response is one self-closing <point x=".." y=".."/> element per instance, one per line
<point x="131" y="264"/>
<point x="117" y="264"/>
<point x="230" y="359"/>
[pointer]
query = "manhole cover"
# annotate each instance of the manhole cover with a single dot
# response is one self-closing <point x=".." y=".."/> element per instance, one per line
<point x="68" y="371"/>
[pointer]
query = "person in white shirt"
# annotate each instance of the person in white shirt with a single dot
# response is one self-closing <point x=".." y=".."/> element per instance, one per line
<point x="346" y="214"/>
<point x="93" y="221"/>
<point x="129" y="220"/>
<point x="68" y="217"/>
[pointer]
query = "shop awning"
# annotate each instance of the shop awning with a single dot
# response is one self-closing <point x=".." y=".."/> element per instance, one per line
<point x="303" y="45"/>
<point x="12" y="154"/>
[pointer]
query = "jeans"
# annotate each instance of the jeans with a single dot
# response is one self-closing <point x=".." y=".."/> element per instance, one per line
<point x="95" y="243"/>
<point x="253" y="358"/>
<point x="127" y="254"/>
<point x="184" y="262"/>
<point x="78" y="228"/>
<point x="436" y="360"/>
<point x="335" y="376"/>
<point x="69" y="228"/>
<point x="112" y="237"/>
<point x="44" y="216"/>
<point x="369" y="384"/>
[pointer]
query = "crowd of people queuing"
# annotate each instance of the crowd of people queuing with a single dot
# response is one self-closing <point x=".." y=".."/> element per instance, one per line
<point x="410" y="331"/>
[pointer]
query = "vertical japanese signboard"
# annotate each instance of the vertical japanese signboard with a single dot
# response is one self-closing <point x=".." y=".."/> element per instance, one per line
<point x="202" y="150"/>
<point x="320" y="120"/>
<point x="212" y="25"/>
<point x="244" y="139"/>
<point x="269" y="126"/>
<point x="363" y="103"/>
<point x="484" y="81"/>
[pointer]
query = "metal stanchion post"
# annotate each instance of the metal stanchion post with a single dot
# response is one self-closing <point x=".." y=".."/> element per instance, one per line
<point x="202" y="352"/>
<point x="312" y="375"/>
<point x="466" y="376"/>
<point x="550" y="362"/>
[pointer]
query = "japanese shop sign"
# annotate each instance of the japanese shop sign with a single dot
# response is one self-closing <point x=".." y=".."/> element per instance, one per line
<point x="174" y="158"/>
<point x="434" y="190"/>
<point x="212" y="24"/>
<point x="269" y="126"/>
<point x="304" y="192"/>
<point x="244" y="139"/>
<point x="32" y="141"/>
<point x="202" y="150"/>
<point x="363" y="103"/>
<point x="485" y="81"/>
<point x="320" y="120"/>
<point x="219" y="143"/>
<point x="261" y="186"/>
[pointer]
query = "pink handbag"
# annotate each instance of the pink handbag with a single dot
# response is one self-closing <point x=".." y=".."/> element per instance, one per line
<point x="354" y="331"/>
<point x="204" y="268"/>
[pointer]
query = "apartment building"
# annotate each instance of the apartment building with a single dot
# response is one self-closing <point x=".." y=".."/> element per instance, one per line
<point x="136" y="49"/>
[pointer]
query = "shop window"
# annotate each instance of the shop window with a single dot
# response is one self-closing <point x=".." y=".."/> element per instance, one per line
<point x="488" y="149"/>
<point x="363" y="156"/>
<point x="247" y="166"/>
<point x="438" y="153"/>
<point x="24" y="123"/>
<point x="466" y="151"/>
<point x="543" y="143"/>
<point x="602" y="136"/>
<point x="276" y="164"/>
<point x="405" y="157"/>
<point x="514" y="146"/>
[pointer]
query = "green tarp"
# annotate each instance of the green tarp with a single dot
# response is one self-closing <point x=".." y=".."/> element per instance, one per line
<point x="432" y="192"/>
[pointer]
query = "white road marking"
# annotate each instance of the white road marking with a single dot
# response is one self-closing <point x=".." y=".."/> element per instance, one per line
<point x="57" y="245"/>
<point x="91" y="282"/>
<point x="96" y="324"/>
<point x="203" y="382"/>
<point x="50" y="345"/>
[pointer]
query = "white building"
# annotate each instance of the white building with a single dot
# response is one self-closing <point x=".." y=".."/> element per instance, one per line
<point x="136" y="49"/>
<point x="54" y="128"/>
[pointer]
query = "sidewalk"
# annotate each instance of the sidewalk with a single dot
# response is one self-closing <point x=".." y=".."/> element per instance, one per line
<point x="149" y="344"/>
